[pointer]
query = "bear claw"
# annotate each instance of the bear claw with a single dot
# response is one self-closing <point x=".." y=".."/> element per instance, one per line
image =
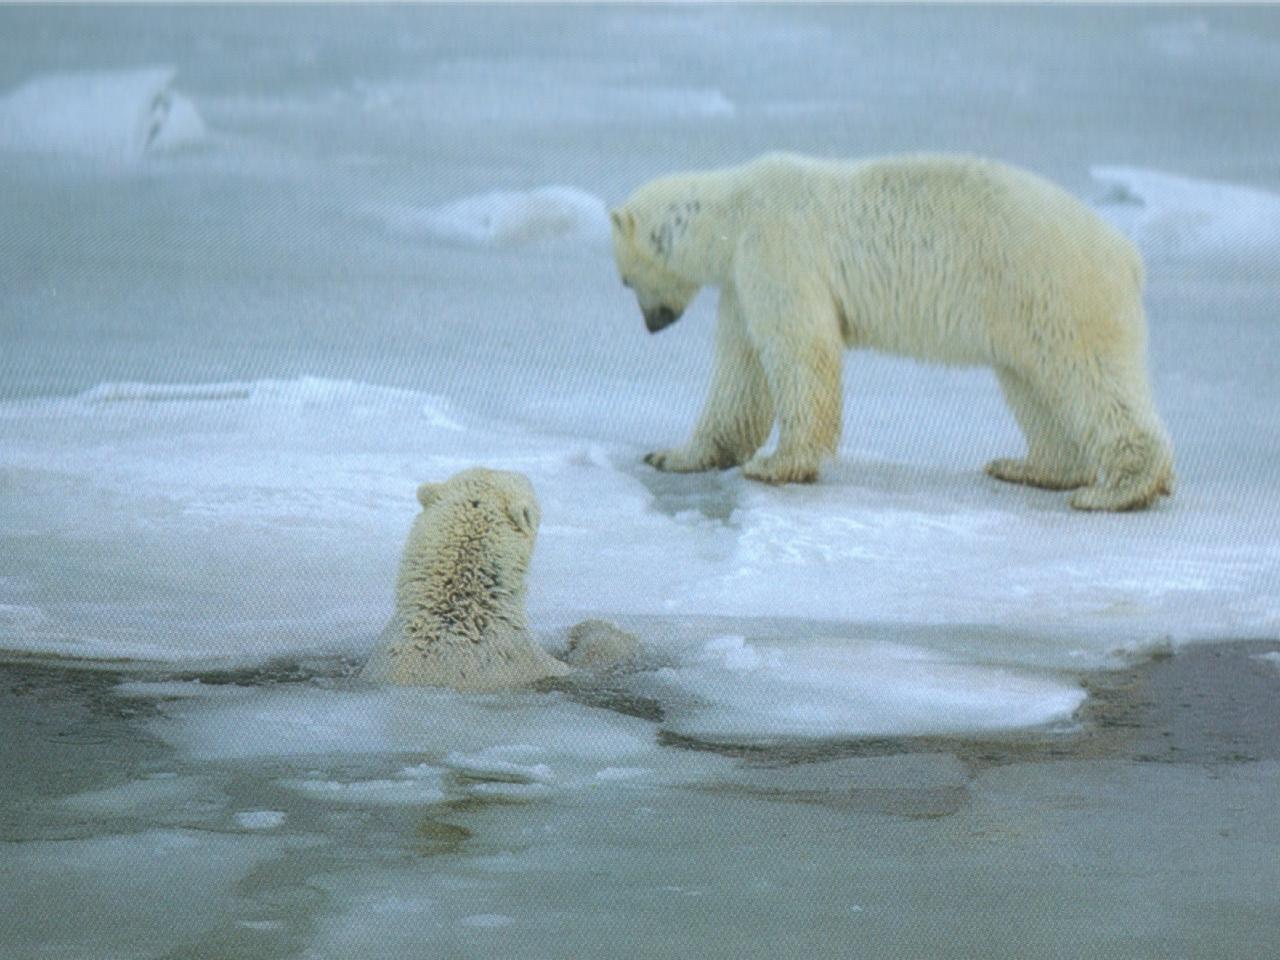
<point x="1019" y="471"/>
<point x="678" y="461"/>
<point x="776" y="471"/>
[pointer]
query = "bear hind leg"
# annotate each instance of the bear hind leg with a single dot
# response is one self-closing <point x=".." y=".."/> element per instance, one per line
<point x="1137" y="468"/>
<point x="1054" y="460"/>
<point x="1116" y="426"/>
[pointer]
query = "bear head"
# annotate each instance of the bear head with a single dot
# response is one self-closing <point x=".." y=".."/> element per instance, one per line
<point x="642" y="250"/>
<point x="500" y="502"/>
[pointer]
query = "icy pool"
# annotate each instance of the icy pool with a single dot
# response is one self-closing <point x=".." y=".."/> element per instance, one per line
<point x="296" y="814"/>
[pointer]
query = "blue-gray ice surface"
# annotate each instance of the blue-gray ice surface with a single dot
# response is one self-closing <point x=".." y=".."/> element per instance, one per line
<point x="264" y="270"/>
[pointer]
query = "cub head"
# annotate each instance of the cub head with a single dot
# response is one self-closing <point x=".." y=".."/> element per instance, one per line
<point x="642" y="252"/>
<point x="499" y="494"/>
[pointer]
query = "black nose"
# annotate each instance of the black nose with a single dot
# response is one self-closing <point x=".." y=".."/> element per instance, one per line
<point x="660" y="317"/>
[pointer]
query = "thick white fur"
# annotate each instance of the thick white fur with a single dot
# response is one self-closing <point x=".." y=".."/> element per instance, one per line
<point x="459" y="617"/>
<point x="950" y="259"/>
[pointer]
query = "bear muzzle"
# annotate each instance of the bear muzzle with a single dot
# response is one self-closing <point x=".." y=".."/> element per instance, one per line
<point x="657" y="318"/>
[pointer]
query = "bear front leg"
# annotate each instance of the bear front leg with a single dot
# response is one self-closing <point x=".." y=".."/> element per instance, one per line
<point x="799" y="344"/>
<point x="738" y="412"/>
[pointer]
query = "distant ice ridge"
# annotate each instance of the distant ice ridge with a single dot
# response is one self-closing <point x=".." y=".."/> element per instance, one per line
<point x="532" y="91"/>
<point x="115" y="116"/>
<point x="507" y="218"/>
<point x="307" y="392"/>
<point x="1168" y="215"/>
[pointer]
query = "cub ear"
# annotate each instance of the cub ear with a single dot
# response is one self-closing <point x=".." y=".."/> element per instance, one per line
<point x="524" y="516"/>
<point x="429" y="493"/>
<point x="624" y="221"/>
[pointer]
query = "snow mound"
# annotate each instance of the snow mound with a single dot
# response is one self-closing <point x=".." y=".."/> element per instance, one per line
<point x="1168" y="215"/>
<point x="112" y="116"/>
<point x="504" y="218"/>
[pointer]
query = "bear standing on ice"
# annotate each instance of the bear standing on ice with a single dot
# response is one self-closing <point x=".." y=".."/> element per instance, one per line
<point x="950" y="259"/>
<point x="459" y="616"/>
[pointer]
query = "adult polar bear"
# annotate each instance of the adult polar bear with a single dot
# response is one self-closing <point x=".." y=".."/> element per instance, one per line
<point x="944" y="258"/>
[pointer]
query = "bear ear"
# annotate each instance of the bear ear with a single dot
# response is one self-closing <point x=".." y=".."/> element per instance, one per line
<point x="524" y="516"/>
<point x="624" y="221"/>
<point x="429" y="493"/>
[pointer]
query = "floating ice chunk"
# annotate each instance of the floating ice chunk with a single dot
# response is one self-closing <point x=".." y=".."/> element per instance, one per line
<point x="434" y="723"/>
<point x="166" y="798"/>
<point x="507" y="218"/>
<point x="260" y="819"/>
<point x="1171" y="215"/>
<point x="492" y="763"/>
<point x="114" y="116"/>
<point x="740" y="691"/>
<point x="384" y="793"/>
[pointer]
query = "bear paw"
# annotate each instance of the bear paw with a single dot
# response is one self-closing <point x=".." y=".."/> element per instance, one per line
<point x="780" y="468"/>
<point x="1021" y="471"/>
<point x="599" y="645"/>
<point x="690" y="459"/>
<point x="1127" y="497"/>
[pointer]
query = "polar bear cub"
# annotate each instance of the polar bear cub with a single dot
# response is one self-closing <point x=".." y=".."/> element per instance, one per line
<point x="944" y="258"/>
<point x="460" y="597"/>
